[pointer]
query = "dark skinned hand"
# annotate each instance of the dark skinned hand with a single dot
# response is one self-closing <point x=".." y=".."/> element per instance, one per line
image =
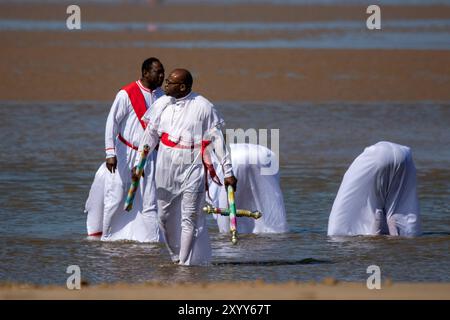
<point x="111" y="164"/>
<point x="230" y="181"/>
<point x="134" y="177"/>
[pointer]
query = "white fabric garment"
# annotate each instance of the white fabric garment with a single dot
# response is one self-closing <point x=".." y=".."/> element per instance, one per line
<point x="137" y="225"/>
<point x="105" y="202"/>
<point x="180" y="176"/>
<point x="378" y="194"/>
<point x="255" y="191"/>
<point x="95" y="203"/>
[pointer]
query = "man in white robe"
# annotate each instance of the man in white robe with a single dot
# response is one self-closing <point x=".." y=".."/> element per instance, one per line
<point x="378" y="194"/>
<point x="259" y="190"/>
<point x="184" y="124"/>
<point x="124" y="128"/>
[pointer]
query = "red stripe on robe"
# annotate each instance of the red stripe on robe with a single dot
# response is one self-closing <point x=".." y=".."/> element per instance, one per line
<point x="137" y="101"/>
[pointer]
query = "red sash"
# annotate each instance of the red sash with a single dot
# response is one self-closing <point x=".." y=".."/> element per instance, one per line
<point x="137" y="101"/>
<point x="206" y="159"/>
<point x="128" y="144"/>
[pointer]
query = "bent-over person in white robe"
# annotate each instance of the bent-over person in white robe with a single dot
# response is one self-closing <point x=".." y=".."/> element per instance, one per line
<point x="256" y="168"/>
<point x="378" y="194"/>
<point x="184" y="124"/>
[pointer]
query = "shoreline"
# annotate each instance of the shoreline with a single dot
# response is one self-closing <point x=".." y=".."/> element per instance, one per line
<point x="328" y="289"/>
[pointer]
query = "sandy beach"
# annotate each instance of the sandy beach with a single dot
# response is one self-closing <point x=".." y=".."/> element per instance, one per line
<point x="81" y="65"/>
<point x="217" y="12"/>
<point x="329" y="289"/>
<point x="364" y="75"/>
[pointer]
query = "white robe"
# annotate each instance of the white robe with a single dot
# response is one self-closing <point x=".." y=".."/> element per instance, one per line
<point x="180" y="175"/>
<point x="378" y="194"/>
<point x="255" y="191"/>
<point x="105" y="202"/>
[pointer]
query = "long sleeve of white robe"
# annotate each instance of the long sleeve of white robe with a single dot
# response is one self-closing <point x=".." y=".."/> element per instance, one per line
<point x="150" y="138"/>
<point x="118" y="111"/>
<point x="151" y="118"/>
<point x="221" y="150"/>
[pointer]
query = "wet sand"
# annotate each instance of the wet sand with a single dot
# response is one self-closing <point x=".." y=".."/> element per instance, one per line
<point x="79" y="65"/>
<point x="40" y="73"/>
<point x="329" y="289"/>
<point x="217" y="12"/>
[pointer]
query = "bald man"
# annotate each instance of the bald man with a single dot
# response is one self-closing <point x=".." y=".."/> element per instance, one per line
<point x="188" y="128"/>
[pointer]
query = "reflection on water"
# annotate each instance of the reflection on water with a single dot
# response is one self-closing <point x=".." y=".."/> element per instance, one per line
<point x="226" y="27"/>
<point x="404" y="34"/>
<point x="46" y="174"/>
<point x="350" y="40"/>
<point x="271" y="262"/>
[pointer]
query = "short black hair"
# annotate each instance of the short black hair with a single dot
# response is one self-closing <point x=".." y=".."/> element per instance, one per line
<point x="146" y="65"/>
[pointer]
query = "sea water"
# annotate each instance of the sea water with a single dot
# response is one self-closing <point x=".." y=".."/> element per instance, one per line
<point x="51" y="150"/>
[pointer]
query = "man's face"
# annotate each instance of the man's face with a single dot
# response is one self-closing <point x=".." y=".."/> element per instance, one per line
<point x="155" y="74"/>
<point x="173" y="86"/>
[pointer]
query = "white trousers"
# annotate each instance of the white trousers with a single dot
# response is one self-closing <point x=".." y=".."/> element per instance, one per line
<point x="183" y="225"/>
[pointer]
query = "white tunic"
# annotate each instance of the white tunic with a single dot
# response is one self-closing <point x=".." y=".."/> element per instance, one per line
<point x="188" y="122"/>
<point x="378" y="194"/>
<point x="255" y="191"/>
<point x="123" y="120"/>
<point x="104" y="205"/>
<point x="181" y="127"/>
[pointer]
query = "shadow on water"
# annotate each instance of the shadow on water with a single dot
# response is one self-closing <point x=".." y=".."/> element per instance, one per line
<point x="272" y="262"/>
<point x="436" y="233"/>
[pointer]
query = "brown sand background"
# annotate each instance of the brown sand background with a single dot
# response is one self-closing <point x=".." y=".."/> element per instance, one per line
<point x="52" y="66"/>
<point x="329" y="289"/>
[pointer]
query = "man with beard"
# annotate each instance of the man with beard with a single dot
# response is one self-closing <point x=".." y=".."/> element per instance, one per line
<point x="124" y="128"/>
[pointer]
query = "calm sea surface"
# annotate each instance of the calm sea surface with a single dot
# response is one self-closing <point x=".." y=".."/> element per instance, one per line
<point x="419" y="34"/>
<point x="50" y="152"/>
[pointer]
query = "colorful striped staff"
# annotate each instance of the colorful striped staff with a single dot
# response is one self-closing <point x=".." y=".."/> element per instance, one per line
<point x="232" y="208"/>
<point x="226" y="212"/>
<point x="135" y="182"/>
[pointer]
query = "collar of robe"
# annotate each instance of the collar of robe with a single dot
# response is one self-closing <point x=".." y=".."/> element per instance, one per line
<point x="182" y="100"/>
